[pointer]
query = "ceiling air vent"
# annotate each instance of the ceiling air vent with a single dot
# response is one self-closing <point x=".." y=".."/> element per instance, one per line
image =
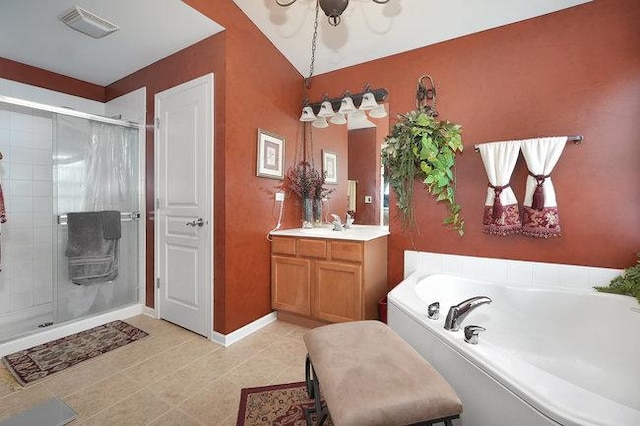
<point x="87" y="23"/>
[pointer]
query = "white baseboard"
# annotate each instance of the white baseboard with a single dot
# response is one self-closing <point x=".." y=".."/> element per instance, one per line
<point x="64" y="330"/>
<point x="150" y="312"/>
<point x="235" y="336"/>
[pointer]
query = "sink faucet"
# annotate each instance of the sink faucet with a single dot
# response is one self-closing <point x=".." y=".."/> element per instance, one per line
<point x="348" y="222"/>
<point x="458" y="312"/>
<point x="337" y="223"/>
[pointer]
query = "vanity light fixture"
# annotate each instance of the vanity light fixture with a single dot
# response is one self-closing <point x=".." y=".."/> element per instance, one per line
<point x="337" y="109"/>
<point x="332" y="8"/>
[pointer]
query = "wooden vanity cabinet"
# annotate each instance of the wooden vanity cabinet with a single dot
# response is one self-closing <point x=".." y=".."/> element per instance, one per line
<point x="328" y="280"/>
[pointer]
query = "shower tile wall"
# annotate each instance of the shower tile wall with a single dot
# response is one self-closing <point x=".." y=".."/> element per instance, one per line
<point x="26" y="279"/>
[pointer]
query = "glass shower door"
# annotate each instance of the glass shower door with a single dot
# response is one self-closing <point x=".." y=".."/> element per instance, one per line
<point x="95" y="169"/>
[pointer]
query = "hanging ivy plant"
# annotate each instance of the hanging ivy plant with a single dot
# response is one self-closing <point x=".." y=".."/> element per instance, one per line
<point x="421" y="147"/>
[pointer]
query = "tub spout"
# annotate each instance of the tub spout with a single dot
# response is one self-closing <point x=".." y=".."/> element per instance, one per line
<point x="457" y="313"/>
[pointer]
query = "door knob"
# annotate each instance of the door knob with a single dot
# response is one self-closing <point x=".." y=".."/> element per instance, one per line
<point x="199" y="222"/>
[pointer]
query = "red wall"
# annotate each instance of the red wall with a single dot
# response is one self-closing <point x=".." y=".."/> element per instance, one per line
<point x="200" y="59"/>
<point x="574" y="72"/>
<point x="255" y="87"/>
<point x="16" y="71"/>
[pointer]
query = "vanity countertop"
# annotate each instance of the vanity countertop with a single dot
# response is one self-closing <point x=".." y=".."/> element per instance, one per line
<point x="356" y="232"/>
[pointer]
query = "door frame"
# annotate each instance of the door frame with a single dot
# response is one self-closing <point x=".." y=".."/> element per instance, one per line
<point x="208" y="81"/>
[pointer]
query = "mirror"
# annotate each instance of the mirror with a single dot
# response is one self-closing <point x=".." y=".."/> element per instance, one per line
<point x="365" y="173"/>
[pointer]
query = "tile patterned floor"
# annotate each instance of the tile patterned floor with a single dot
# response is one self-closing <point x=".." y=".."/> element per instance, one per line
<point x="171" y="377"/>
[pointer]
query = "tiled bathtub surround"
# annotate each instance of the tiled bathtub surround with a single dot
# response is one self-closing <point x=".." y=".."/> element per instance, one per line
<point x="511" y="272"/>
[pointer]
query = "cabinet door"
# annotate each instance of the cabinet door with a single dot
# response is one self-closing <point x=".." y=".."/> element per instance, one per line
<point x="337" y="292"/>
<point x="290" y="284"/>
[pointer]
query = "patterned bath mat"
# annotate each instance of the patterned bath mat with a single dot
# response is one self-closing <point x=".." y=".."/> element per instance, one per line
<point x="38" y="362"/>
<point x="278" y="405"/>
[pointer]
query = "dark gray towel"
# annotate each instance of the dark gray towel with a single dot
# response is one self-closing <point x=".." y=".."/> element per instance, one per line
<point x="92" y="246"/>
<point x="99" y="269"/>
<point x="110" y="224"/>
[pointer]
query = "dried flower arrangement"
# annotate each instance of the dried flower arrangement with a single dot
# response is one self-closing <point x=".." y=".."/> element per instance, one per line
<point x="305" y="181"/>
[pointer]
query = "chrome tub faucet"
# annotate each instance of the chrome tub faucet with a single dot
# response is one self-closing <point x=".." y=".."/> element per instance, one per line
<point x="458" y="312"/>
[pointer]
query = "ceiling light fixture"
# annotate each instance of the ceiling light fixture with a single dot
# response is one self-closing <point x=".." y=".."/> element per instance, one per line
<point x="87" y="22"/>
<point x="332" y="8"/>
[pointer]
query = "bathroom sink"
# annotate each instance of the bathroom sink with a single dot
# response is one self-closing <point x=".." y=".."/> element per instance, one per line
<point x="356" y="232"/>
<point x="317" y="231"/>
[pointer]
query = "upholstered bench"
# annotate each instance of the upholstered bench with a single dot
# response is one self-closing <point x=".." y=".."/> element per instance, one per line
<point x="369" y="376"/>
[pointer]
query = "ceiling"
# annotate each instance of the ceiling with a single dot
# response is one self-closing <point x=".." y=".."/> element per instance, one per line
<point x="31" y="33"/>
<point x="153" y="29"/>
<point x="370" y="31"/>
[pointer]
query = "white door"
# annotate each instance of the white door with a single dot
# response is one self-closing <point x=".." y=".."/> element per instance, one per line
<point x="184" y="194"/>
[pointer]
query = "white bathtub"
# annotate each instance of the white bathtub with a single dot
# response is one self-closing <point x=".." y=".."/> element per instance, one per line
<point x="548" y="356"/>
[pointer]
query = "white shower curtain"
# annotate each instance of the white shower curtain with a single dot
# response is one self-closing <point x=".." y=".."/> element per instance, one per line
<point x="501" y="215"/>
<point x="540" y="209"/>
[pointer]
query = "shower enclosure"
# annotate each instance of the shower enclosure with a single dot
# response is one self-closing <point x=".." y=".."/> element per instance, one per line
<point x="54" y="162"/>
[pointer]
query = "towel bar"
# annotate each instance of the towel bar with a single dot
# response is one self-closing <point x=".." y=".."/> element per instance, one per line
<point x="124" y="217"/>
<point x="577" y="139"/>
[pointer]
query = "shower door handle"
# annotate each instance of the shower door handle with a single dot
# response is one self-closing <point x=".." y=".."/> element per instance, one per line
<point x="199" y="222"/>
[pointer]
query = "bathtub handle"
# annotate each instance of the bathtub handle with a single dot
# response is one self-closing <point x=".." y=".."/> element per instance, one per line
<point x="471" y="333"/>
<point x="433" y="311"/>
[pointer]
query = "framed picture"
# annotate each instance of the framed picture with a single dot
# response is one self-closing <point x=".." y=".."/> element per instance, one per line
<point x="330" y="166"/>
<point x="270" y="155"/>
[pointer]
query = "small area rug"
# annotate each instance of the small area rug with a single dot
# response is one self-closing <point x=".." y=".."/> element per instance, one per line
<point x="277" y="405"/>
<point x="38" y="362"/>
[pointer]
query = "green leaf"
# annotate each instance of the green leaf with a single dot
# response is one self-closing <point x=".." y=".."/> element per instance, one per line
<point x="449" y="174"/>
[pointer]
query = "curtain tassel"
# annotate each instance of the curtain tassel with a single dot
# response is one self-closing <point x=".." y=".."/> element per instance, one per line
<point x="538" y="195"/>
<point x="498" y="208"/>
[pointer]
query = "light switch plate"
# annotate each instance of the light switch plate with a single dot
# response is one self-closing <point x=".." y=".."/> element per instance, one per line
<point x="368" y="199"/>
<point x="279" y="196"/>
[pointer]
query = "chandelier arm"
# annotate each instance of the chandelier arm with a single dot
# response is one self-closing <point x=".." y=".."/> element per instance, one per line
<point x="288" y="3"/>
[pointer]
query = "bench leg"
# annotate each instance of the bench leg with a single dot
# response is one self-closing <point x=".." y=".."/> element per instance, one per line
<point x="313" y="389"/>
<point x="308" y="378"/>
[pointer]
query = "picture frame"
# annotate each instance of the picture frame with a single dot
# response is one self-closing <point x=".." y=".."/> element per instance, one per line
<point x="270" y="162"/>
<point x="330" y="167"/>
